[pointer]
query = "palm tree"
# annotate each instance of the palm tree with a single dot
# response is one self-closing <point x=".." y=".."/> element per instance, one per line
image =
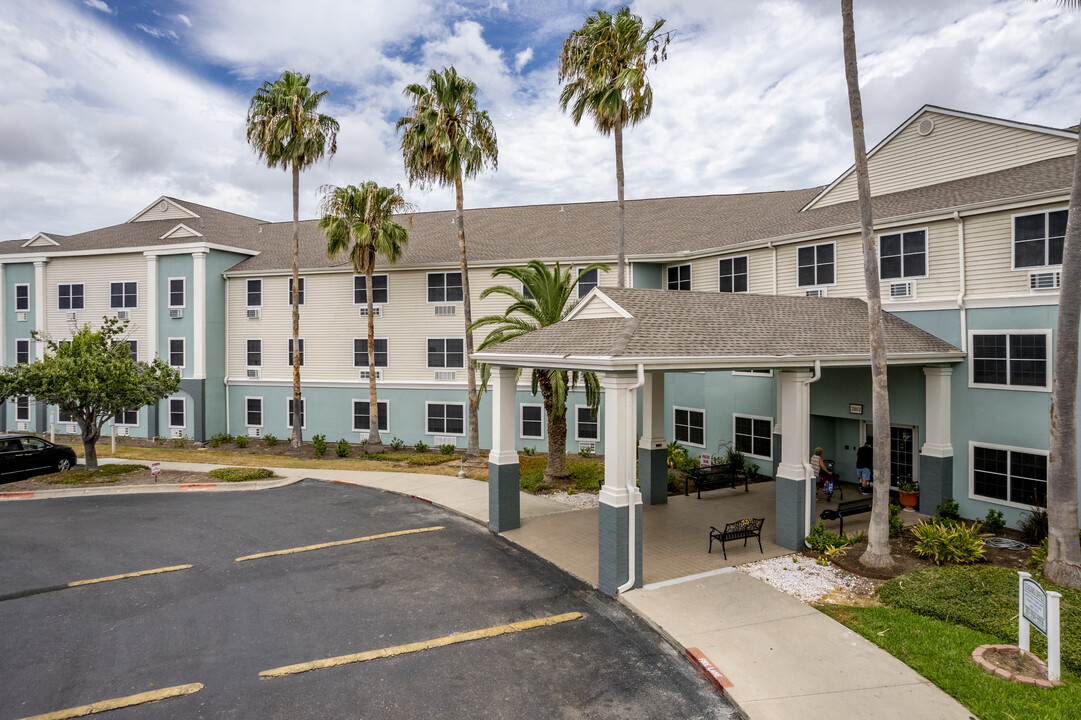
<point x="446" y="139"/>
<point x="604" y="64"/>
<point x="359" y="221"/>
<point x="545" y="301"/>
<point x="1063" y="563"/>
<point x="286" y="129"/>
<point x="878" y="533"/>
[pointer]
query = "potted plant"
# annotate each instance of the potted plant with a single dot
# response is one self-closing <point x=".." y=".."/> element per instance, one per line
<point x="909" y="492"/>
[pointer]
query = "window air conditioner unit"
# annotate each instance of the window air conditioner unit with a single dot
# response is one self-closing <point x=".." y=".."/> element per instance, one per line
<point x="176" y="313"/>
<point x="22" y="316"/>
<point x="253" y="313"/>
<point x="176" y="433"/>
<point x="445" y="309"/>
<point x="900" y="290"/>
<point x="253" y="432"/>
<point x="445" y="375"/>
<point x="22" y="426"/>
<point x="817" y="292"/>
<point x="123" y="431"/>
<point x="123" y="315"/>
<point x="378" y="374"/>
<point x="71" y="317"/>
<point x="377" y="311"/>
<point x="444" y="440"/>
<point x="73" y="429"/>
<point x="253" y="373"/>
<point x="590" y="446"/>
<point x="1045" y="281"/>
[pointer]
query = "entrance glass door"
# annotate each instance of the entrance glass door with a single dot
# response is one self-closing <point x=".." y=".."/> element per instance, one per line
<point x="903" y="443"/>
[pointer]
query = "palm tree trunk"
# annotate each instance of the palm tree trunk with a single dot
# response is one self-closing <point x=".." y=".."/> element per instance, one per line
<point x="878" y="534"/>
<point x="621" y="246"/>
<point x="473" y="447"/>
<point x="296" y="437"/>
<point x="1063" y="563"/>
<point x="375" y="440"/>
<point x="555" y="472"/>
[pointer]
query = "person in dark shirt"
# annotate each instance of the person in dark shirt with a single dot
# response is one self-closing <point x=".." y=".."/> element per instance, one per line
<point x="864" y="462"/>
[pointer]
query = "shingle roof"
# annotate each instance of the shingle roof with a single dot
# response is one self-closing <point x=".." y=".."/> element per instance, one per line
<point x="668" y="324"/>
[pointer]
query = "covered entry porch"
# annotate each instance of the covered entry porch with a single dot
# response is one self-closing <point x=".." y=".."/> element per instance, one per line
<point x="631" y="338"/>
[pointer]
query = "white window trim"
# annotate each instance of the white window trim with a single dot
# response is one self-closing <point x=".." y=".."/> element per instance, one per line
<point x="353" y="413"/>
<point x="72" y="284"/>
<point x="465" y="419"/>
<point x="1013" y="239"/>
<point x="261" y="358"/>
<point x="733" y="258"/>
<point x="426" y="286"/>
<point x="600" y="427"/>
<point x="302" y="284"/>
<point x="15" y="297"/>
<point x="465" y="358"/>
<point x="689" y="409"/>
<point x="129" y="343"/>
<point x="690" y="274"/>
<point x="353" y="350"/>
<point x="135" y="424"/>
<point x="18" y="409"/>
<point x="247" y="292"/>
<point x="114" y="282"/>
<point x="29" y="350"/>
<point x="1022" y="388"/>
<point x="262" y="410"/>
<point x="817" y="284"/>
<point x="303" y="411"/>
<point x="995" y="446"/>
<point x="903" y="278"/>
<point x="303" y="351"/>
<point x="169" y="291"/>
<point x="169" y="351"/>
<point x="365" y="303"/>
<point x="521" y="421"/>
<point x="752" y="418"/>
<point x="749" y="373"/>
<point x="169" y="410"/>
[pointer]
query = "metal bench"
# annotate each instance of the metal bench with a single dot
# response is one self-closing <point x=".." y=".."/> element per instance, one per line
<point x="739" y="530"/>
<point x="716" y="476"/>
<point x="844" y="509"/>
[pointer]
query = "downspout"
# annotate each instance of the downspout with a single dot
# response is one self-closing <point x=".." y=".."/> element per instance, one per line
<point x="805" y="442"/>
<point x="632" y="487"/>
<point x="771" y="246"/>
<point x="225" y="379"/>
<point x="961" y="265"/>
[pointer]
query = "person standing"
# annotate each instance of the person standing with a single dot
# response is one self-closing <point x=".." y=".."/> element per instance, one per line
<point x="864" y="463"/>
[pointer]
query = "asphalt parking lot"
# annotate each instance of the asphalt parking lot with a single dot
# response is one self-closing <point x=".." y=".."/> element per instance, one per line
<point x="220" y="623"/>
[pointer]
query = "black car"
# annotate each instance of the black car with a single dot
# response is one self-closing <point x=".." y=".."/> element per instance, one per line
<point x="25" y="455"/>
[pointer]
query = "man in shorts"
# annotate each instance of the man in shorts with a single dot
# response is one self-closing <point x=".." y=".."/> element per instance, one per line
<point x="864" y="462"/>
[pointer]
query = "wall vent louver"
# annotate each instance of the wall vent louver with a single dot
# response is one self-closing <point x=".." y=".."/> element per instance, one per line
<point x="446" y="375"/>
<point x="22" y="316"/>
<point x="176" y="433"/>
<point x="253" y="432"/>
<point x="445" y="309"/>
<point x="22" y="426"/>
<point x="377" y="311"/>
<point x="123" y="431"/>
<point x="590" y="446"/>
<point x="817" y="292"/>
<point x="176" y="313"/>
<point x="253" y="313"/>
<point x="1045" y="280"/>
<point x="900" y="290"/>
<point x="123" y="315"/>
<point x="444" y="440"/>
<point x="71" y="317"/>
<point x="253" y="373"/>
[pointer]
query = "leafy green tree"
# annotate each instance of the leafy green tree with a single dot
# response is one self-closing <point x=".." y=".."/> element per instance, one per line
<point x="604" y="64"/>
<point x="448" y="138"/>
<point x="547" y="300"/>
<point x="286" y="130"/>
<point x="93" y="377"/>
<point x="359" y="221"/>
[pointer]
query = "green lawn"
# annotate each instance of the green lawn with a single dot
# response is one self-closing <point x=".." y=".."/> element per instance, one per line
<point x="79" y="476"/>
<point x="586" y="476"/>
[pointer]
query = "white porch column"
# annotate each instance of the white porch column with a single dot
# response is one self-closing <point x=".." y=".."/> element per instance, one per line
<point x="198" y="306"/>
<point x="936" y="455"/>
<point x="151" y="306"/>
<point x="504" y="500"/>
<point x="3" y="326"/>
<point x="653" y="449"/>
<point x="39" y="308"/>
<point x="620" y="496"/>
<point x="792" y="503"/>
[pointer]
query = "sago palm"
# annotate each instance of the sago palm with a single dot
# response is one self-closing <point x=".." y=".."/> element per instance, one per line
<point x="545" y="301"/>
<point x="359" y="221"/>
<point x="286" y="130"/>
<point x="604" y="65"/>
<point x="446" y="139"/>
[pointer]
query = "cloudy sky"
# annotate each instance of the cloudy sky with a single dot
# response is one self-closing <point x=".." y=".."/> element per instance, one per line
<point x="108" y="104"/>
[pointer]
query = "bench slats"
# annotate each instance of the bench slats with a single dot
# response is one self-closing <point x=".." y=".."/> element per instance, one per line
<point x="739" y="530"/>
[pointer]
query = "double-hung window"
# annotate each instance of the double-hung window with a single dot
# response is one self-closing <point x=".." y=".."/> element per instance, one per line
<point x="123" y="295"/>
<point x="732" y="274"/>
<point x="815" y="265"/>
<point x="1038" y="239"/>
<point x="360" y="352"/>
<point x="176" y="352"/>
<point x="300" y="352"/>
<point x="1013" y="475"/>
<point x="255" y="353"/>
<point x="586" y="426"/>
<point x="253" y="411"/>
<point x="445" y="418"/>
<point x="444" y="287"/>
<point x="289" y="414"/>
<point x="362" y="419"/>
<point x="689" y="425"/>
<point x="902" y="255"/>
<point x="300" y="291"/>
<point x="379" y="289"/>
<point x="176" y="292"/>
<point x="587" y="281"/>
<point x="1011" y="359"/>
<point x="134" y="346"/>
<point x="22" y="298"/>
<point x="127" y="417"/>
<point x="69" y="296"/>
<point x="445" y="352"/>
<point x="532" y="426"/>
<point x="254" y="292"/>
<point x="22" y="352"/>
<point x="679" y="277"/>
<point x="177" y="415"/>
<point x="22" y="408"/>
<point x="753" y="435"/>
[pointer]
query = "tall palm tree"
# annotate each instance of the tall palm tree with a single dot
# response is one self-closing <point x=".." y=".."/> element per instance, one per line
<point x="604" y="64"/>
<point x="545" y="301"/>
<point x="360" y="221"/>
<point x="446" y="139"/>
<point x="286" y="129"/>
<point x="1063" y="563"/>
<point x="878" y="533"/>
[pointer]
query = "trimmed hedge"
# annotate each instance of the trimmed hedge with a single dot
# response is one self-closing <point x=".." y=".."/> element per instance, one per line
<point x="240" y="474"/>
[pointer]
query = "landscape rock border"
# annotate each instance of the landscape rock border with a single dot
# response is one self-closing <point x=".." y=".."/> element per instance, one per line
<point x="989" y="667"/>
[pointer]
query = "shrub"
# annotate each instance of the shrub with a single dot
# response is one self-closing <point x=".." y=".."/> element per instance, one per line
<point x="270" y="440"/>
<point x="1034" y="525"/>
<point x="994" y="522"/>
<point x="319" y="444"/>
<point x="342" y="448"/>
<point x="447" y="449"/>
<point x="675" y="483"/>
<point x="529" y="451"/>
<point x="821" y="539"/>
<point x="420" y="447"/>
<point x="946" y="542"/>
<point x="217" y="440"/>
<point x="423" y="459"/>
<point x="1039" y="555"/>
<point x="240" y="474"/>
<point x="588" y="476"/>
<point x="948" y="510"/>
<point x="896" y="523"/>
<point x="586" y="451"/>
<point x="397" y="443"/>
<point x="680" y="459"/>
<point x="241" y="441"/>
<point x="179" y="442"/>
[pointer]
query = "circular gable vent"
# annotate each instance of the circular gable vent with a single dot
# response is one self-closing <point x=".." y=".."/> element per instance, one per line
<point x="925" y="127"/>
<point x="163" y="206"/>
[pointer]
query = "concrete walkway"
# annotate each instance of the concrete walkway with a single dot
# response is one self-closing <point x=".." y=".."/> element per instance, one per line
<point x="785" y="659"/>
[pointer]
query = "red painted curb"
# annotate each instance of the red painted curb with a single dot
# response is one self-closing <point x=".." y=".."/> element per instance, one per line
<point x="21" y="495"/>
<point x="198" y="486"/>
<point x="418" y="497"/>
<point x="342" y="482"/>
<point x="710" y="670"/>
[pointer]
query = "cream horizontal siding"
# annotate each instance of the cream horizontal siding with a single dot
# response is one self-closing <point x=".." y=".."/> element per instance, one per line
<point x="956" y="148"/>
<point x="942" y="281"/>
<point x="989" y="255"/>
<point x="95" y="273"/>
<point x="848" y="268"/>
<point x="171" y="212"/>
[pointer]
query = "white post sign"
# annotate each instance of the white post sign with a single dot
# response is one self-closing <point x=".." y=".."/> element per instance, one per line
<point x="705" y="460"/>
<point x="1040" y="609"/>
<point x="155" y="469"/>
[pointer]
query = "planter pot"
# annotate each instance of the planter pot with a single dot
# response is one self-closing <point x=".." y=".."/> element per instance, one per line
<point x="909" y="500"/>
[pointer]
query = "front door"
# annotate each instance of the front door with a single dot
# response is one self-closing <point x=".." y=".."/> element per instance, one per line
<point x="903" y="443"/>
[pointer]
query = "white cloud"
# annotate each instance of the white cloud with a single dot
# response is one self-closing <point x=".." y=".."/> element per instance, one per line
<point x="157" y="32"/>
<point x="183" y="18"/>
<point x="99" y="5"/>
<point x="522" y="59"/>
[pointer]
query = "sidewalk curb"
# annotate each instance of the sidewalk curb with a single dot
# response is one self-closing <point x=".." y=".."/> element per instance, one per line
<point x="146" y="489"/>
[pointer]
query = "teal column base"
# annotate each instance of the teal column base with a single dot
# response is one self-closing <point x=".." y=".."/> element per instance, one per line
<point x="612" y="558"/>
<point x="504" y="497"/>
<point x="790" y="506"/>
<point x="653" y="476"/>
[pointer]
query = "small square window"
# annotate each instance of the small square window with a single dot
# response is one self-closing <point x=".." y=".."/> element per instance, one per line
<point x="379" y="289"/>
<point x="586" y="425"/>
<point x="445" y="287"/>
<point x="127" y="417"/>
<point x="360" y="352"/>
<point x="732" y="274"/>
<point x="446" y="352"/>
<point x="533" y="422"/>
<point x="123" y="295"/>
<point x="679" y="277"/>
<point x="70" y="296"/>
<point x="446" y="418"/>
<point x="815" y="265"/>
<point x="362" y="417"/>
<point x="689" y="425"/>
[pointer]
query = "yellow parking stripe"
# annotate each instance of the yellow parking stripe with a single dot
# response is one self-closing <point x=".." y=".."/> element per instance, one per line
<point x="122" y="702"/>
<point x="125" y="576"/>
<point x="418" y="646"/>
<point x="336" y="543"/>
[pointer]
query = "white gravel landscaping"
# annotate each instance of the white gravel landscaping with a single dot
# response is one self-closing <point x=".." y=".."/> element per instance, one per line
<point x="578" y="501"/>
<point x="801" y="577"/>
